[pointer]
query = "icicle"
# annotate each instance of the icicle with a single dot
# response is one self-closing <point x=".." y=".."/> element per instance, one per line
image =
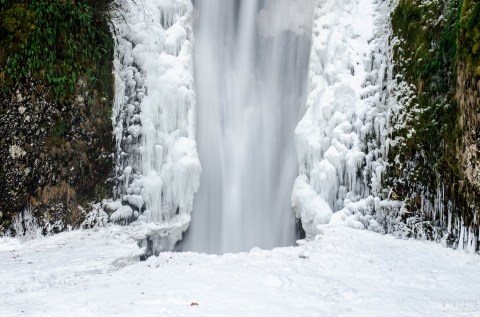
<point x="154" y="116"/>
<point x="462" y="237"/>
<point x="341" y="139"/>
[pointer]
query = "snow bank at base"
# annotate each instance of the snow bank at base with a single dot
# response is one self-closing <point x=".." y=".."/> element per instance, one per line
<point x="309" y="207"/>
<point x="154" y="115"/>
<point x="344" y="272"/>
<point x="341" y="139"/>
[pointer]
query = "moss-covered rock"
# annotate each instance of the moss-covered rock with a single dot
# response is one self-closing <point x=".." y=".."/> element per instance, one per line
<point x="436" y="58"/>
<point x="56" y="91"/>
<point x="469" y="36"/>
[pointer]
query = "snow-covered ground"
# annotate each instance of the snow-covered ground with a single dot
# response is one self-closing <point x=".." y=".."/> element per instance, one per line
<point x="345" y="272"/>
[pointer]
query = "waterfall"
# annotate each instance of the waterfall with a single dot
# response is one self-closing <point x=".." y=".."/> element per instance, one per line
<point x="287" y="96"/>
<point x="251" y="62"/>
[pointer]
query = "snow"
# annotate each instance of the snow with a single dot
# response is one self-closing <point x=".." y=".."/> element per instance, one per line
<point x="16" y="152"/>
<point x="122" y="213"/>
<point x="343" y="272"/>
<point x="341" y="139"/>
<point x="311" y="208"/>
<point x="154" y="113"/>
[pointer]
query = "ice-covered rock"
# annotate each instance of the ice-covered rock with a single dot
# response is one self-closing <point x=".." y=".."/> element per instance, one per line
<point x="154" y="115"/>
<point x="341" y="139"/>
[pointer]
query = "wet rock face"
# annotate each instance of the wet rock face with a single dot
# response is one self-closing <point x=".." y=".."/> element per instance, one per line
<point x="434" y="156"/>
<point x="56" y="95"/>
<point x="24" y="124"/>
<point x="468" y="96"/>
<point x="54" y="156"/>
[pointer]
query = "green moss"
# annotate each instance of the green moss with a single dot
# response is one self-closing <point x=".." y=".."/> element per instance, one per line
<point x="61" y="49"/>
<point x="60" y="41"/>
<point x="434" y="36"/>
<point x="59" y="129"/>
<point x="19" y="22"/>
<point x="469" y="37"/>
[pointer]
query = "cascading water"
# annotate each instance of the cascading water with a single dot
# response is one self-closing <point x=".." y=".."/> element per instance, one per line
<point x="251" y="62"/>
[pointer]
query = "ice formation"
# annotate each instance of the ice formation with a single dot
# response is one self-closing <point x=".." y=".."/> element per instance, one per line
<point x="251" y="61"/>
<point x="341" y="139"/>
<point x="157" y="164"/>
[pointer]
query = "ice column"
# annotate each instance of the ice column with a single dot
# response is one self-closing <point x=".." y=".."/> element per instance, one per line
<point x="341" y="139"/>
<point x="154" y="117"/>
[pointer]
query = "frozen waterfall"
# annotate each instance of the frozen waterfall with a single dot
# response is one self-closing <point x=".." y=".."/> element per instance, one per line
<point x="154" y="116"/>
<point x="341" y="140"/>
<point x="292" y="95"/>
<point x="251" y="62"/>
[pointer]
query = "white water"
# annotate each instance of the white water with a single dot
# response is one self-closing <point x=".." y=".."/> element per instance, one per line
<point x="251" y="62"/>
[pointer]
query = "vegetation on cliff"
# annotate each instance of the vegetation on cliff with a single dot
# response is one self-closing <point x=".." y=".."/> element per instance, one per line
<point x="56" y="90"/>
<point x="433" y="40"/>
